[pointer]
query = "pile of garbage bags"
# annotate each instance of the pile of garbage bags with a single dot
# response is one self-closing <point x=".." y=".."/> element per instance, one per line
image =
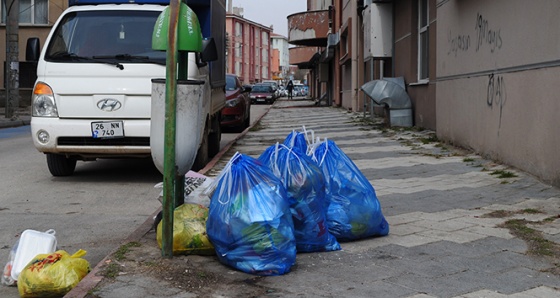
<point x="303" y="195"/>
<point x="39" y="270"/>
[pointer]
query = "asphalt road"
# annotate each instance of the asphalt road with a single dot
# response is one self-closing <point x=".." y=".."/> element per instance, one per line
<point x="94" y="209"/>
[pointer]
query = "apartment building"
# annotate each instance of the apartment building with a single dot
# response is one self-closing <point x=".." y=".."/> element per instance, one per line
<point x="249" y="52"/>
<point x="36" y="19"/>
<point x="482" y="74"/>
<point x="282" y="59"/>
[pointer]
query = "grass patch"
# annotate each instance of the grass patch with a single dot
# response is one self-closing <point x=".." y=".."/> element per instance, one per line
<point x="537" y="244"/>
<point x="120" y="254"/>
<point x="468" y="159"/>
<point x="505" y="213"/>
<point x="111" y="270"/>
<point x="256" y="127"/>
<point x="429" y="139"/>
<point x="503" y="174"/>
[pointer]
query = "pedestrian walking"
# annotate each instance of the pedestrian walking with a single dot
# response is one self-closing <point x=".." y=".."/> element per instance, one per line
<point x="290" y="88"/>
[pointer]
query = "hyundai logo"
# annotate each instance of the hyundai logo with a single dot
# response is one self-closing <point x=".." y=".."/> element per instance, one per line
<point x="109" y="104"/>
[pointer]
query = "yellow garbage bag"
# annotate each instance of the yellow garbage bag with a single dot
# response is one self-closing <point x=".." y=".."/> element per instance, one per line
<point x="52" y="275"/>
<point x="189" y="231"/>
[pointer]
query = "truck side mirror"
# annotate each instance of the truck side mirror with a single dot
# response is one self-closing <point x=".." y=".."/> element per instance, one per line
<point x="209" y="50"/>
<point x="32" y="49"/>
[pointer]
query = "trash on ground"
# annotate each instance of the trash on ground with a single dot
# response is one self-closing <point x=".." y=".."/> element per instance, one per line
<point x="189" y="231"/>
<point x="354" y="211"/>
<point x="195" y="189"/>
<point x="305" y="186"/>
<point x="30" y="244"/>
<point x="7" y="279"/>
<point x="249" y="222"/>
<point x="52" y="275"/>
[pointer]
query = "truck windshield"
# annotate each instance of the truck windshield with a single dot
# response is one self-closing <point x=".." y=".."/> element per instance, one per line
<point x="108" y="36"/>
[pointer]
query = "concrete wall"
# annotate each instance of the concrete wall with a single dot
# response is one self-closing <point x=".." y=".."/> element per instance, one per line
<point x="497" y="81"/>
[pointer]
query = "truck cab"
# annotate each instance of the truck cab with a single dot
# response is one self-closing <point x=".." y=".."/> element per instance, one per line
<point x="92" y="97"/>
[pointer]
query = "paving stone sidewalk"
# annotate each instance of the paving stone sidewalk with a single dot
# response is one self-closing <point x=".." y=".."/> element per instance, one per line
<point x="446" y="209"/>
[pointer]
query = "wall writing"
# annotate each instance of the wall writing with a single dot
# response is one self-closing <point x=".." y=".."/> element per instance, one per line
<point x="458" y="43"/>
<point x="496" y="94"/>
<point x="484" y="34"/>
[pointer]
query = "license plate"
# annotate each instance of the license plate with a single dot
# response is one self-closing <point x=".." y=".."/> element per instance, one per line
<point x="107" y="129"/>
<point x="260" y="99"/>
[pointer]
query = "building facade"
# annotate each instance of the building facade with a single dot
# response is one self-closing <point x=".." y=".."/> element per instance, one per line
<point x="36" y="20"/>
<point x="480" y="75"/>
<point x="249" y="52"/>
<point x="280" y="44"/>
<point x="497" y="81"/>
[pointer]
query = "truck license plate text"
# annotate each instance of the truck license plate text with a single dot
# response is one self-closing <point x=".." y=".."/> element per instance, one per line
<point x="103" y="130"/>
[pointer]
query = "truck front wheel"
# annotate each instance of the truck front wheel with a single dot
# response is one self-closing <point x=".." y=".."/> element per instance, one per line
<point x="60" y="165"/>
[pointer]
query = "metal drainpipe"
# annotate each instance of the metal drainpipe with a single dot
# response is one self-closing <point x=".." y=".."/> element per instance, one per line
<point x="355" y="57"/>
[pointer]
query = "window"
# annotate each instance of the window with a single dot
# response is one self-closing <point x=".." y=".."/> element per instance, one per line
<point x="238" y="49"/>
<point x="238" y="68"/>
<point x="423" y="40"/>
<point x="238" y="30"/>
<point x="264" y="55"/>
<point x="33" y="12"/>
<point x="265" y="72"/>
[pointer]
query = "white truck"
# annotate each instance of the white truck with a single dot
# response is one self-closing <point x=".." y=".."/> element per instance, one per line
<point x="92" y="97"/>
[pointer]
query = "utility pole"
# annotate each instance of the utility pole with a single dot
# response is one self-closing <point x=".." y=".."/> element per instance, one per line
<point x="11" y="75"/>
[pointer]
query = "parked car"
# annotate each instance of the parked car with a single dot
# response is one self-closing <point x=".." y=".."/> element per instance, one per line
<point x="263" y="93"/>
<point x="236" y="115"/>
<point x="275" y="87"/>
<point x="300" y="90"/>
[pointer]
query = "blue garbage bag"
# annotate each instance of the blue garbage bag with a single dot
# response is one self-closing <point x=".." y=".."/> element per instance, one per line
<point x="249" y="220"/>
<point x="353" y="212"/>
<point x="299" y="140"/>
<point x="305" y="185"/>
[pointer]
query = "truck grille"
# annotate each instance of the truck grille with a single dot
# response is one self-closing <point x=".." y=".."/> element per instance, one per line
<point x="81" y="141"/>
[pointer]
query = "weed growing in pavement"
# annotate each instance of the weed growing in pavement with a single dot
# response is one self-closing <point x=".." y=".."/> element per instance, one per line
<point x="505" y="213"/>
<point x="91" y="293"/>
<point x="429" y="139"/>
<point x="120" y="254"/>
<point x="111" y="270"/>
<point x="536" y="243"/>
<point x="258" y="126"/>
<point x="503" y="174"/>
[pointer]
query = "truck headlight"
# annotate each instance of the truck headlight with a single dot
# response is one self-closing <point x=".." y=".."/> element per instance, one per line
<point x="269" y="97"/>
<point x="42" y="101"/>
<point x="252" y="96"/>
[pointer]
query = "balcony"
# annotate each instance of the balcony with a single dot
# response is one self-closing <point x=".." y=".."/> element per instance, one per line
<point x="303" y="57"/>
<point x="309" y="28"/>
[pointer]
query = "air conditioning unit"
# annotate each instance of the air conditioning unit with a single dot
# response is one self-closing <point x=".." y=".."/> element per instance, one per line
<point x="378" y="30"/>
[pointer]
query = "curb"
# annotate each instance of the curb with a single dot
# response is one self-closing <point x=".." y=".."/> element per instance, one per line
<point x="91" y="280"/>
<point x="8" y="123"/>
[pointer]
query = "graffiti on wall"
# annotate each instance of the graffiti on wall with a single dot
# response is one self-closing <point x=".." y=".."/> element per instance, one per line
<point x="458" y="43"/>
<point x="496" y="94"/>
<point x="485" y="36"/>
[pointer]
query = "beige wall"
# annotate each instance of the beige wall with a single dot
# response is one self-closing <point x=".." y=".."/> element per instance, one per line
<point x="497" y="81"/>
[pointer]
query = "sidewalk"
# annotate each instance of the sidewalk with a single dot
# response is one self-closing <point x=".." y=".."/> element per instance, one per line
<point x="453" y="218"/>
<point x="21" y="117"/>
